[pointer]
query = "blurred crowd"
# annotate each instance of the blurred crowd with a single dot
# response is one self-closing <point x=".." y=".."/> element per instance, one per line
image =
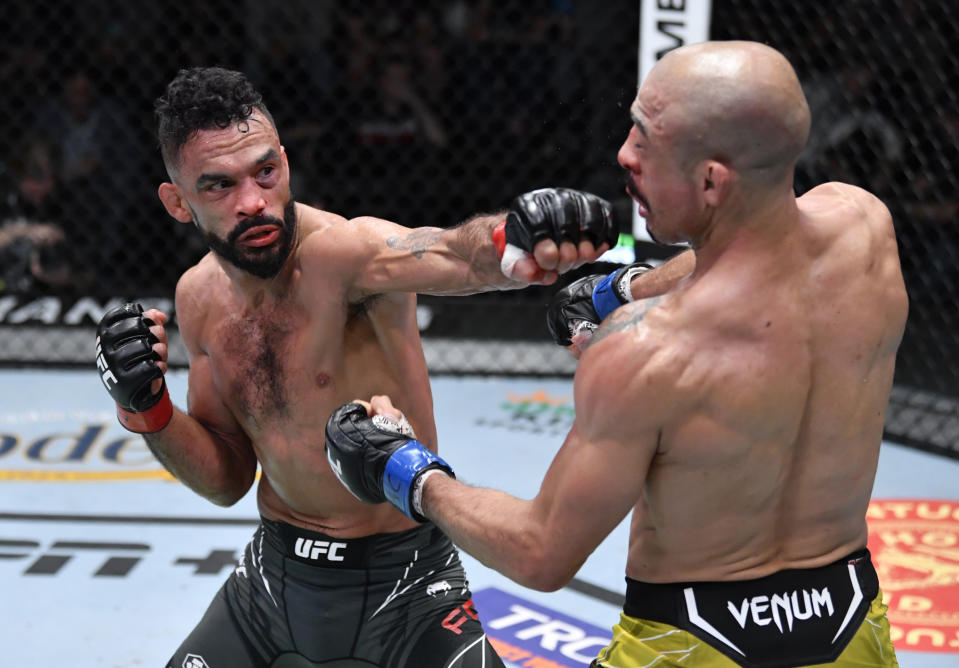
<point x="421" y="112"/>
<point x="427" y="111"/>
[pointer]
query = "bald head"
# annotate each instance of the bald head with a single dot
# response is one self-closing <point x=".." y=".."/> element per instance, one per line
<point x="738" y="102"/>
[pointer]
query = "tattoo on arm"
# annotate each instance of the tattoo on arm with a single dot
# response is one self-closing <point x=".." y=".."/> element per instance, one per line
<point x="624" y="317"/>
<point x="416" y="242"/>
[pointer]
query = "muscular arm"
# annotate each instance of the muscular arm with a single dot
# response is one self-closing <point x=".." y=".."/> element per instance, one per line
<point x="385" y="257"/>
<point x="205" y="448"/>
<point x="593" y="482"/>
<point x="433" y="260"/>
<point x="663" y="278"/>
<point x="215" y="461"/>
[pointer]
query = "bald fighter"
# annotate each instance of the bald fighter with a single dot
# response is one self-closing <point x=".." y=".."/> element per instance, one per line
<point x="738" y="414"/>
<point x="294" y="311"/>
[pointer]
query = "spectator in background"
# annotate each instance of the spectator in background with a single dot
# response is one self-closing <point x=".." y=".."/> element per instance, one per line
<point x="849" y="132"/>
<point x="429" y="57"/>
<point x="398" y="113"/>
<point x="527" y="53"/>
<point x="927" y="214"/>
<point x="24" y="67"/>
<point x="30" y="184"/>
<point x="32" y="249"/>
<point x="389" y="111"/>
<point x="292" y="60"/>
<point x="80" y="125"/>
<point x="97" y="167"/>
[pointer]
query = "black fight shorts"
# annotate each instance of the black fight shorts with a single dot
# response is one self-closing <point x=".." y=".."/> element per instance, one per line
<point x="791" y="618"/>
<point x="300" y="599"/>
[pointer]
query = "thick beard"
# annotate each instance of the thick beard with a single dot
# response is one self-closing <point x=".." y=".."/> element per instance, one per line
<point x="262" y="263"/>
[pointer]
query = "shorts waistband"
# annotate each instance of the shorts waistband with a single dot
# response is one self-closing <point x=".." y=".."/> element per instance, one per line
<point x="666" y="602"/>
<point x="319" y="549"/>
<point x="808" y="615"/>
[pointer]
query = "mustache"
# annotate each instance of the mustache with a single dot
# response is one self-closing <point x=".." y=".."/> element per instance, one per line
<point x="253" y="221"/>
<point x="633" y="191"/>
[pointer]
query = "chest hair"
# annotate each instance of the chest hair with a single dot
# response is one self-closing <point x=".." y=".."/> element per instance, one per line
<point x="260" y="350"/>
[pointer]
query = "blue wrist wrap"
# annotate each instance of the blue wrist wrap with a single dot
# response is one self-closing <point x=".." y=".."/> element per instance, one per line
<point x="401" y="470"/>
<point x="605" y="299"/>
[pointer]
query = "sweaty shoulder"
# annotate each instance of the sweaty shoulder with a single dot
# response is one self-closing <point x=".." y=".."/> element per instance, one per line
<point x="195" y="289"/>
<point x="332" y="244"/>
<point x="844" y="218"/>
<point x="851" y="241"/>
<point x="635" y="359"/>
<point x="320" y="231"/>
<point x="843" y="205"/>
<point x="197" y="298"/>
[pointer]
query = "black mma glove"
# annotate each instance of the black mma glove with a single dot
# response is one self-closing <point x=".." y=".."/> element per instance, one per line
<point x="586" y="302"/>
<point x="560" y="214"/>
<point x="127" y="365"/>
<point x="379" y="463"/>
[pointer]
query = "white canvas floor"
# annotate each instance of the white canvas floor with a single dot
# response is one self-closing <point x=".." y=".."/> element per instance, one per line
<point x="104" y="562"/>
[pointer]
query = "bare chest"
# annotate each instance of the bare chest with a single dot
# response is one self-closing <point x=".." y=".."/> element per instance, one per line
<point x="267" y="362"/>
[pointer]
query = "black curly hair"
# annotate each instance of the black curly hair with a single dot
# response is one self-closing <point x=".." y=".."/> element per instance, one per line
<point x="202" y="98"/>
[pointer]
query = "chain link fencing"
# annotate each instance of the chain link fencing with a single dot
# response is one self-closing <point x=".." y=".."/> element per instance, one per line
<point x="426" y="112"/>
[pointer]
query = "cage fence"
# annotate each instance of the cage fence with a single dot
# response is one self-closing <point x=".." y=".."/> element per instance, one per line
<point x="426" y="112"/>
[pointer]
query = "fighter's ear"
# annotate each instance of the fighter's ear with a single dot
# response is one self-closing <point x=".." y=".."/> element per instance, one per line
<point x="715" y="182"/>
<point x="173" y="202"/>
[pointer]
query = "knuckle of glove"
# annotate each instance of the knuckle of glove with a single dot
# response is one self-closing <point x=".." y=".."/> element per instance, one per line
<point x="120" y="313"/>
<point x="358" y="451"/>
<point x="126" y="347"/>
<point x="142" y="397"/>
<point x="546" y="213"/>
<point x="132" y="390"/>
<point x="570" y="306"/>
<point x="598" y="221"/>
<point x="526" y="222"/>
<point x="519" y="231"/>
<point x="565" y="216"/>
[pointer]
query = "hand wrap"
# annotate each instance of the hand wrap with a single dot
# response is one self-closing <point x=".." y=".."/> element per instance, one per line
<point x="127" y="365"/>
<point x="377" y="464"/>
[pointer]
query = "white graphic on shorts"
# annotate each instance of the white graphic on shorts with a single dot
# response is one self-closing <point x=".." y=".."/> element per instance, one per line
<point x="798" y="605"/>
<point x="309" y="548"/>
<point x="769" y="609"/>
<point x="695" y="619"/>
<point x="396" y="588"/>
<point x="241" y="565"/>
<point x="194" y="661"/>
<point x="256" y="560"/>
<point x="437" y="587"/>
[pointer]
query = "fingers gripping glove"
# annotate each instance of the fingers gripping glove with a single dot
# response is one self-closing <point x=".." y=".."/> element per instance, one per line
<point x="552" y="213"/>
<point x="379" y="463"/>
<point x="585" y="303"/>
<point x="127" y="365"/>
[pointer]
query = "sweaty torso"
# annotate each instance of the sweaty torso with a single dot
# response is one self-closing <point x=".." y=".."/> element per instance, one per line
<point x="781" y="369"/>
<point x="282" y="361"/>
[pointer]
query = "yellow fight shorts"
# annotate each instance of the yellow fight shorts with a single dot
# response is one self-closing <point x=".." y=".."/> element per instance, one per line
<point x="832" y="616"/>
